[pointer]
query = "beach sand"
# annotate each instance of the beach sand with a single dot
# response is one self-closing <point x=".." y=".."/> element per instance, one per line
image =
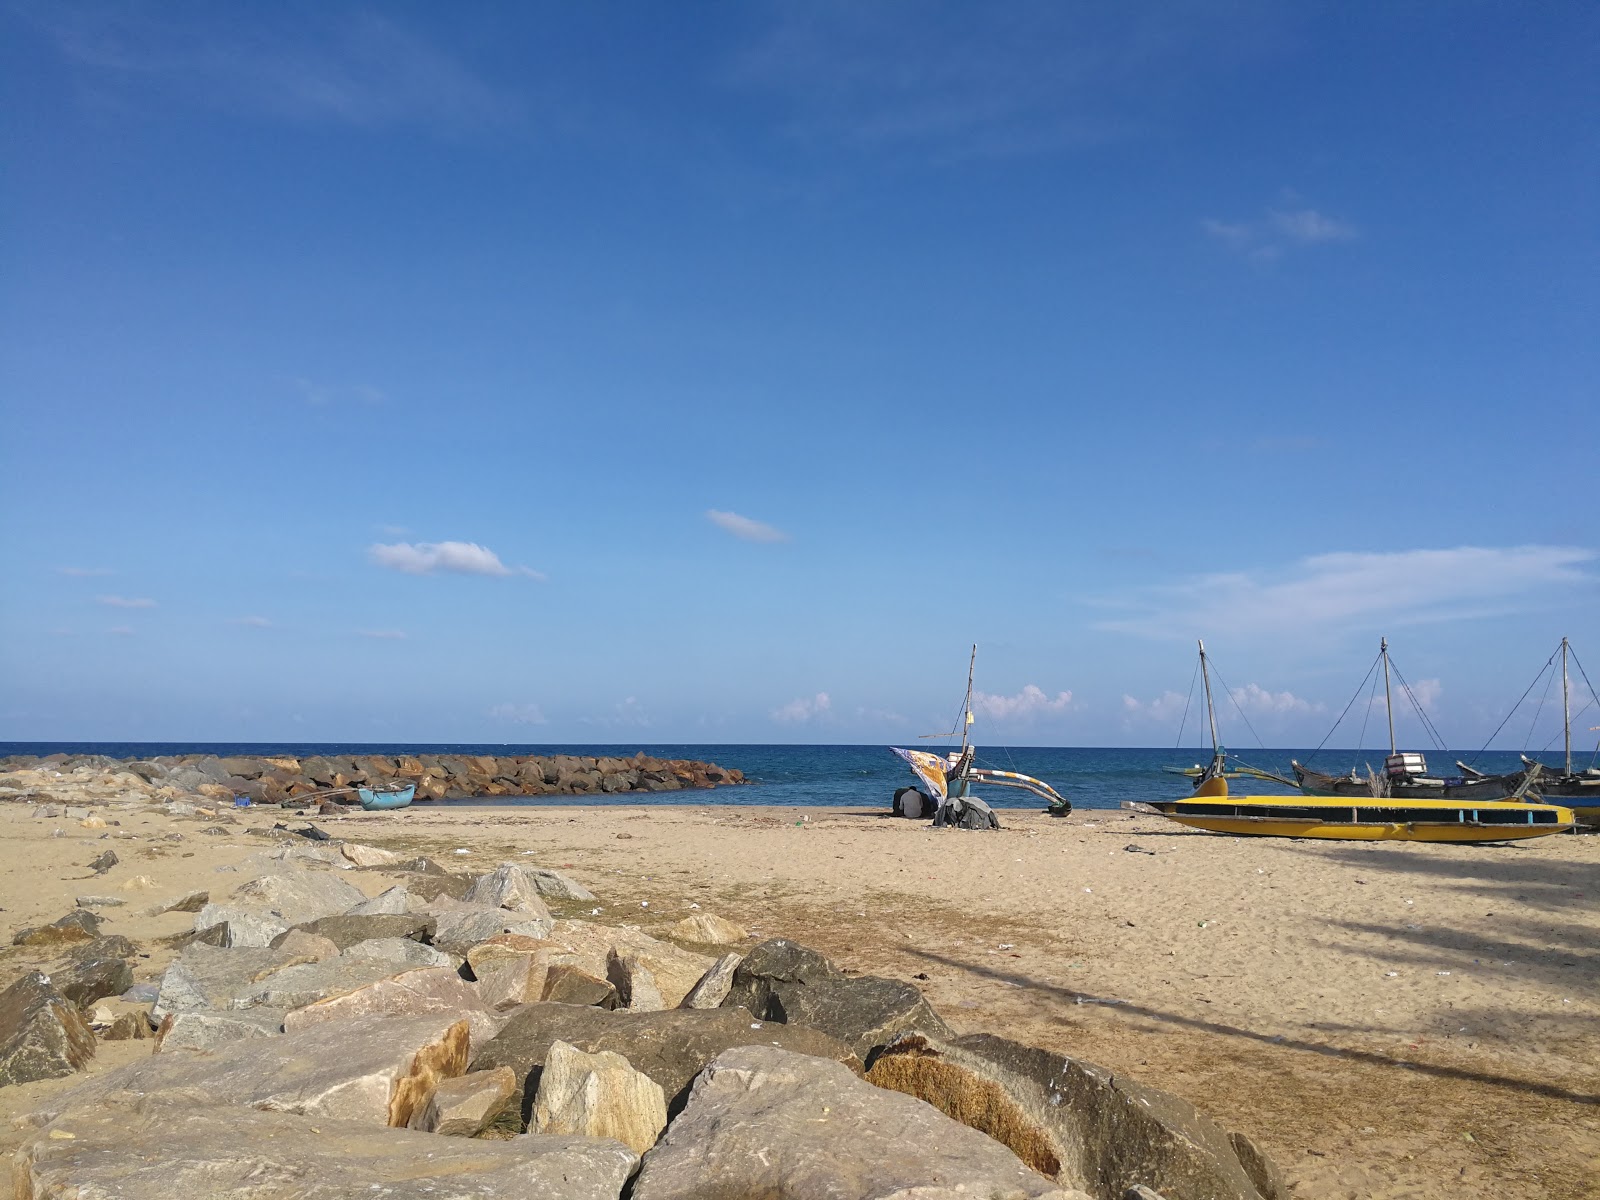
<point x="1399" y="1022"/>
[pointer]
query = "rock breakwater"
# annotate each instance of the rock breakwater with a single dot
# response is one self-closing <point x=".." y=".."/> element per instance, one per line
<point x="287" y="779"/>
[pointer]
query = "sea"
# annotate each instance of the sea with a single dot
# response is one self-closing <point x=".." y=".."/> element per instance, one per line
<point x="844" y="776"/>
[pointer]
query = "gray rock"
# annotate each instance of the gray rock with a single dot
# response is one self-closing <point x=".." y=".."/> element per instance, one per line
<point x="589" y="946"/>
<point x="1069" y="1119"/>
<point x="306" y="983"/>
<point x="42" y="1033"/>
<point x="146" y="1150"/>
<point x="345" y="930"/>
<point x="509" y="886"/>
<point x="104" y="863"/>
<point x="299" y="896"/>
<point x="99" y="901"/>
<point x="765" y="1122"/>
<point x="186" y="903"/>
<point x="400" y="953"/>
<point x="210" y="978"/>
<point x="567" y="984"/>
<point x="783" y="981"/>
<point x="240" y="927"/>
<point x="671" y="1046"/>
<point x="457" y="930"/>
<point x="377" y="1071"/>
<point x="424" y="990"/>
<point x="208" y="1030"/>
<point x="87" y="975"/>
<point x="393" y="902"/>
<point x="715" y="984"/>
<point x="553" y="885"/>
<point x="600" y="1095"/>
<point x="636" y="986"/>
<point x="465" y="1106"/>
<point x="79" y="925"/>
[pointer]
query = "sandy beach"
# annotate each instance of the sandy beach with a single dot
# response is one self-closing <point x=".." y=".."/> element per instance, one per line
<point x="1401" y="1022"/>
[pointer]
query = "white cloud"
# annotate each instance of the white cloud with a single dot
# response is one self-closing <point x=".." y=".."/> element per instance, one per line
<point x="84" y="572"/>
<point x="1031" y="701"/>
<point x="125" y="602"/>
<point x="429" y="558"/>
<point x="385" y="635"/>
<point x="519" y="714"/>
<point x="1254" y="698"/>
<point x="252" y="622"/>
<point x="803" y="708"/>
<point x="1267" y="238"/>
<point x="744" y="527"/>
<point x="1427" y="692"/>
<point x="1168" y="706"/>
<point x="1355" y="589"/>
<point x="882" y="716"/>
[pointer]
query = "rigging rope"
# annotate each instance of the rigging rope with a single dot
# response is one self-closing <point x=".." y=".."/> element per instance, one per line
<point x="1346" y="712"/>
<point x="1513" y="711"/>
<point x="1594" y="698"/>
<point x="1236" y="705"/>
<point x="1184" y="723"/>
<point x="1366" y="717"/>
<point x="1426" y="723"/>
<point x="1534" y="724"/>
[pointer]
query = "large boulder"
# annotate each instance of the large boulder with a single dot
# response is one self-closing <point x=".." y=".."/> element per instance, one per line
<point x="391" y="902"/>
<point x="143" y="1150"/>
<point x="783" y="981"/>
<point x="600" y="1095"/>
<point x="399" y="952"/>
<point x="295" y="897"/>
<point x="466" y="1105"/>
<point x="591" y="948"/>
<point x="307" y="983"/>
<point x="208" y="1030"/>
<point x="42" y="1033"/>
<point x="714" y="986"/>
<point x="346" y="930"/>
<point x="232" y="926"/>
<point x="377" y="1071"/>
<point x="765" y="1122"/>
<point x="671" y="1047"/>
<point x="94" y="971"/>
<point x="425" y="990"/>
<point x="1074" y="1121"/>
<point x="509" y="886"/>
<point x="458" y="927"/>
<point x="209" y="978"/>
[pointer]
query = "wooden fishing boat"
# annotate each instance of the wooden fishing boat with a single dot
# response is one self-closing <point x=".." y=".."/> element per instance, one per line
<point x="1406" y="776"/>
<point x="947" y="779"/>
<point x="382" y="799"/>
<point x="1579" y="789"/>
<point x="1374" y="820"/>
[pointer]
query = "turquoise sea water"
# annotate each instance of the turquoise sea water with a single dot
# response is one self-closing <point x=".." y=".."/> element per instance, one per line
<point x="863" y="776"/>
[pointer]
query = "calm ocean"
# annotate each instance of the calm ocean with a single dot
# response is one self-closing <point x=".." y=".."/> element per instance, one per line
<point x="853" y="776"/>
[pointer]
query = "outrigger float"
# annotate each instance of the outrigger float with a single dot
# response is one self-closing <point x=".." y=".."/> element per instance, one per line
<point x="947" y="780"/>
<point x="1374" y="818"/>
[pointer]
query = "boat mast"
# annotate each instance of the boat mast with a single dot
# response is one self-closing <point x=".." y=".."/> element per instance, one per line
<point x="966" y="705"/>
<point x="1566" y="706"/>
<point x="1211" y="712"/>
<point x="1388" y="701"/>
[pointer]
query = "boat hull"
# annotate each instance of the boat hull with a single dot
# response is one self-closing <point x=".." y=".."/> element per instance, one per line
<point x="1417" y="821"/>
<point x="1488" y="787"/>
<point x="375" y="801"/>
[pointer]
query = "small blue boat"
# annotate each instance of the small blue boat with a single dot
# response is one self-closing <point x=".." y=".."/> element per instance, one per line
<point x="378" y="799"/>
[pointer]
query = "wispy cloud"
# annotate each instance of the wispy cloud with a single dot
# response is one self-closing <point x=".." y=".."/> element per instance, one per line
<point x="882" y="716"/>
<point x="625" y="713"/>
<point x="745" y="528"/>
<point x="804" y="708"/>
<point x="1031" y="701"/>
<point x="519" y="714"/>
<point x="84" y="572"/>
<point x="1349" y="589"/>
<point x="126" y="602"/>
<point x="360" y="70"/>
<point x="431" y="558"/>
<point x="384" y="635"/>
<point x="1269" y="236"/>
<point x="252" y="622"/>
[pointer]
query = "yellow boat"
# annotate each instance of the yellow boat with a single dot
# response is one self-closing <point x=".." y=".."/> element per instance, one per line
<point x="1377" y="819"/>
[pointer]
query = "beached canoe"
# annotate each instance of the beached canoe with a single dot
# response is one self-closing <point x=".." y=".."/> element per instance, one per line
<point x="1374" y="820"/>
<point x="378" y="799"/>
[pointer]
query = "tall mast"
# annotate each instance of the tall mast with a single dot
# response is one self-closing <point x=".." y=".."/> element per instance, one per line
<point x="1211" y="712"/>
<point x="1388" y="701"/>
<point x="1566" y="706"/>
<point x="966" y="705"/>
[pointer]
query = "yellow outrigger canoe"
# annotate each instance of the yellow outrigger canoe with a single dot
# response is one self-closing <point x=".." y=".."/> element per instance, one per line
<point x="1378" y="819"/>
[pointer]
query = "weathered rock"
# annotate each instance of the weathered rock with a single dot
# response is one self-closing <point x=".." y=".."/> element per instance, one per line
<point x="378" y="1071"/>
<point x="782" y="981"/>
<point x="368" y="856"/>
<point x="600" y="1095"/>
<point x="466" y="1105"/>
<point x="299" y="896"/>
<point x="709" y="930"/>
<point x="92" y="902"/>
<point x="765" y="1122"/>
<point x="302" y="984"/>
<point x="42" y="1033"/>
<point x="714" y="985"/>
<point x="424" y="990"/>
<point x="399" y="953"/>
<point x="671" y="1046"/>
<point x="509" y="886"/>
<point x="1069" y="1119"/>
<point x="211" y="978"/>
<point x="458" y="928"/>
<point x="636" y="986"/>
<point x="208" y="1030"/>
<point x="105" y="862"/>
<point x="129" y="1027"/>
<point x="149" y="1150"/>
<point x="77" y="926"/>
<point x="1263" y="1172"/>
<point x="345" y="930"/>
<point x="87" y="976"/>
<point x="307" y="946"/>
<point x="188" y="902"/>
<point x="239" y="927"/>
<point x="567" y="984"/>
<point x="510" y="969"/>
<point x="391" y="902"/>
<point x="589" y="946"/>
<point x="553" y="885"/>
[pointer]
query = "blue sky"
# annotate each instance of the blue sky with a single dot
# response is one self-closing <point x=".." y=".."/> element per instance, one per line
<point x="627" y="372"/>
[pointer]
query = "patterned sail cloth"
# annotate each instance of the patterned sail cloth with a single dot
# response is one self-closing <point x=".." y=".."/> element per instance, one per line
<point x="930" y="768"/>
